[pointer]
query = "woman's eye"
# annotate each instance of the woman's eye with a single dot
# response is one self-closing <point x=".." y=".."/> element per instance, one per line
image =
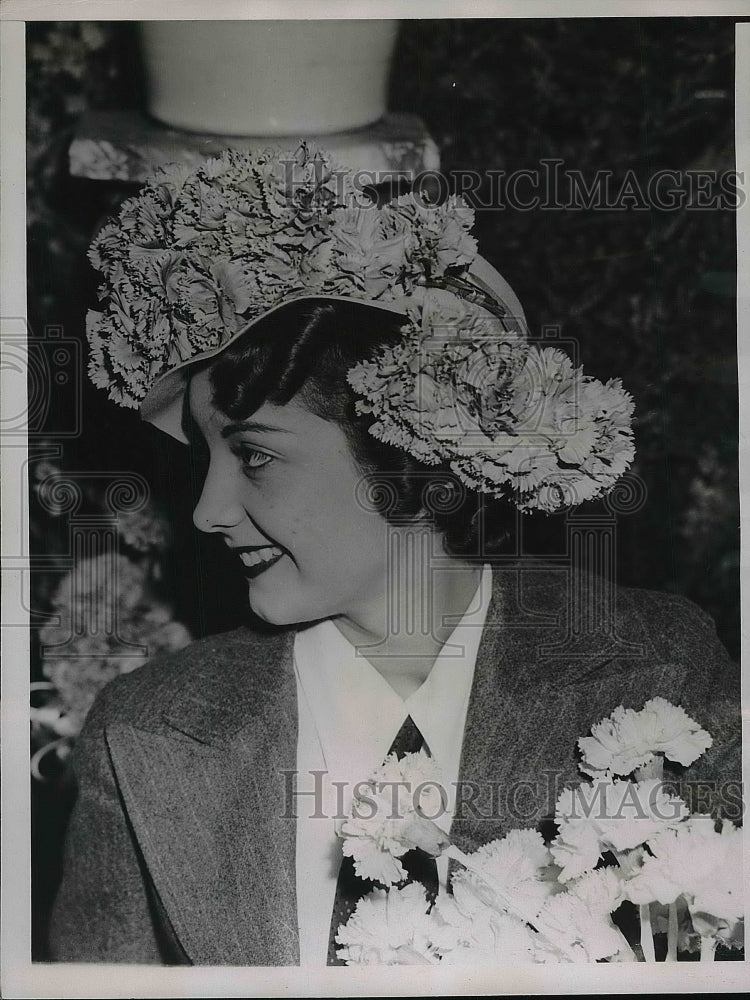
<point x="252" y="459"/>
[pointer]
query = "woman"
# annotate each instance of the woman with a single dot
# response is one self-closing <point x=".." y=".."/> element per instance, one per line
<point x="359" y="388"/>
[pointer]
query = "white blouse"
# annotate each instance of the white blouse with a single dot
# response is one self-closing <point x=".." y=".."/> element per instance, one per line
<point x="348" y="717"/>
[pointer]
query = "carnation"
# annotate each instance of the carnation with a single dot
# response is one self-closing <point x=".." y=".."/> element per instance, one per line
<point x="628" y="740"/>
<point x="510" y="420"/>
<point x="387" y="818"/>
<point x="388" y="927"/>
<point x="696" y="861"/>
<point x="578" y="921"/>
<point x="469" y="932"/>
<point x="610" y="816"/>
<point x="511" y="874"/>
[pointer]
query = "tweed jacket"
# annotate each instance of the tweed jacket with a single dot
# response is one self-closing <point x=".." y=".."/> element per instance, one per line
<point x="181" y="846"/>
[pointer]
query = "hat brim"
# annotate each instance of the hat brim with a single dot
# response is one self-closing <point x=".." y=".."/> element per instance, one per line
<point x="163" y="404"/>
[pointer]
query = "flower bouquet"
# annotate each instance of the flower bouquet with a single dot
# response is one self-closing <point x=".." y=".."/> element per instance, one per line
<point x="622" y="838"/>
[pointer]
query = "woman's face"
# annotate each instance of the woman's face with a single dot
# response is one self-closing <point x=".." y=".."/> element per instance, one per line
<point x="280" y="489"/>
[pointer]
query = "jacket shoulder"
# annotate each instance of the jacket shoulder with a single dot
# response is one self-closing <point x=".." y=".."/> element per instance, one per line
<point x="665" y="618"/>
<point x="226" y="666"/>
<point x="674" y="622"/>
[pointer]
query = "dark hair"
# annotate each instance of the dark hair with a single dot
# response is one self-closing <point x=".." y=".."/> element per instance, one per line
<point x="306" y="347"/>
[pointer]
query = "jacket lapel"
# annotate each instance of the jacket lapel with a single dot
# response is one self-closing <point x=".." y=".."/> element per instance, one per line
<point x="501" y="707"/>
<point x="528" y="705"/>
<point x="206" y="798"/>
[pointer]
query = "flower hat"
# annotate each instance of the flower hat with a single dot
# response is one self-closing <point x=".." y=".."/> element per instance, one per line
<point x="202" y="254"/>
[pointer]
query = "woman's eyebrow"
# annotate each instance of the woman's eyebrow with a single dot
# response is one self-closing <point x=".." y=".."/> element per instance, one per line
<point x="251" y="425"/>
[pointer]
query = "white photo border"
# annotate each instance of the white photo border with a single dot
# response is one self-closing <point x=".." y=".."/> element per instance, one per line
<point x="21" y="977"/>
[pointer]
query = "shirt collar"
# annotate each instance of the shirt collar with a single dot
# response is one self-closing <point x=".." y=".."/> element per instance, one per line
<point x="439" y="706"/>
<point x="357" y="713"/>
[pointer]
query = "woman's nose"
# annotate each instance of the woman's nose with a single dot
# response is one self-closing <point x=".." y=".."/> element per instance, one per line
<point x="218" y="507"/>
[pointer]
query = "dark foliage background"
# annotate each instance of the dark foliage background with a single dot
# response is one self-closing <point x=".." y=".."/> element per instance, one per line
<point x="647" y="295"/>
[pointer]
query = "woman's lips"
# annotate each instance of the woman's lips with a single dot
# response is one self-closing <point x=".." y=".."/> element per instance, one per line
<point x="256" y="560"/>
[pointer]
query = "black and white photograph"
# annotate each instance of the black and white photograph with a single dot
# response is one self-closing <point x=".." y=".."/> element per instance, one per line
<point x="371" y="482"/>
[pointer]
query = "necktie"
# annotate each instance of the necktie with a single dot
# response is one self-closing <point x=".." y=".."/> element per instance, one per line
<point x="419" y="867"/>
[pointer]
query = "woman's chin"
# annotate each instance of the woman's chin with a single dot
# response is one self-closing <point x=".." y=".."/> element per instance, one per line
<point x="281" y="615"/>
<point x="276" y="605"/>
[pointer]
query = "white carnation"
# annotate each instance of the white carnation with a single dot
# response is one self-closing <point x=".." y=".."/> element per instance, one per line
<point x="386" y="819"/>
<point x="610" y="816"/>
<point x="579" y="920"/>
<point x="511" y="874"/>
<point x="384" y="922"/>
<point x="698" y="862"/>
<point x="628" y="739"/>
